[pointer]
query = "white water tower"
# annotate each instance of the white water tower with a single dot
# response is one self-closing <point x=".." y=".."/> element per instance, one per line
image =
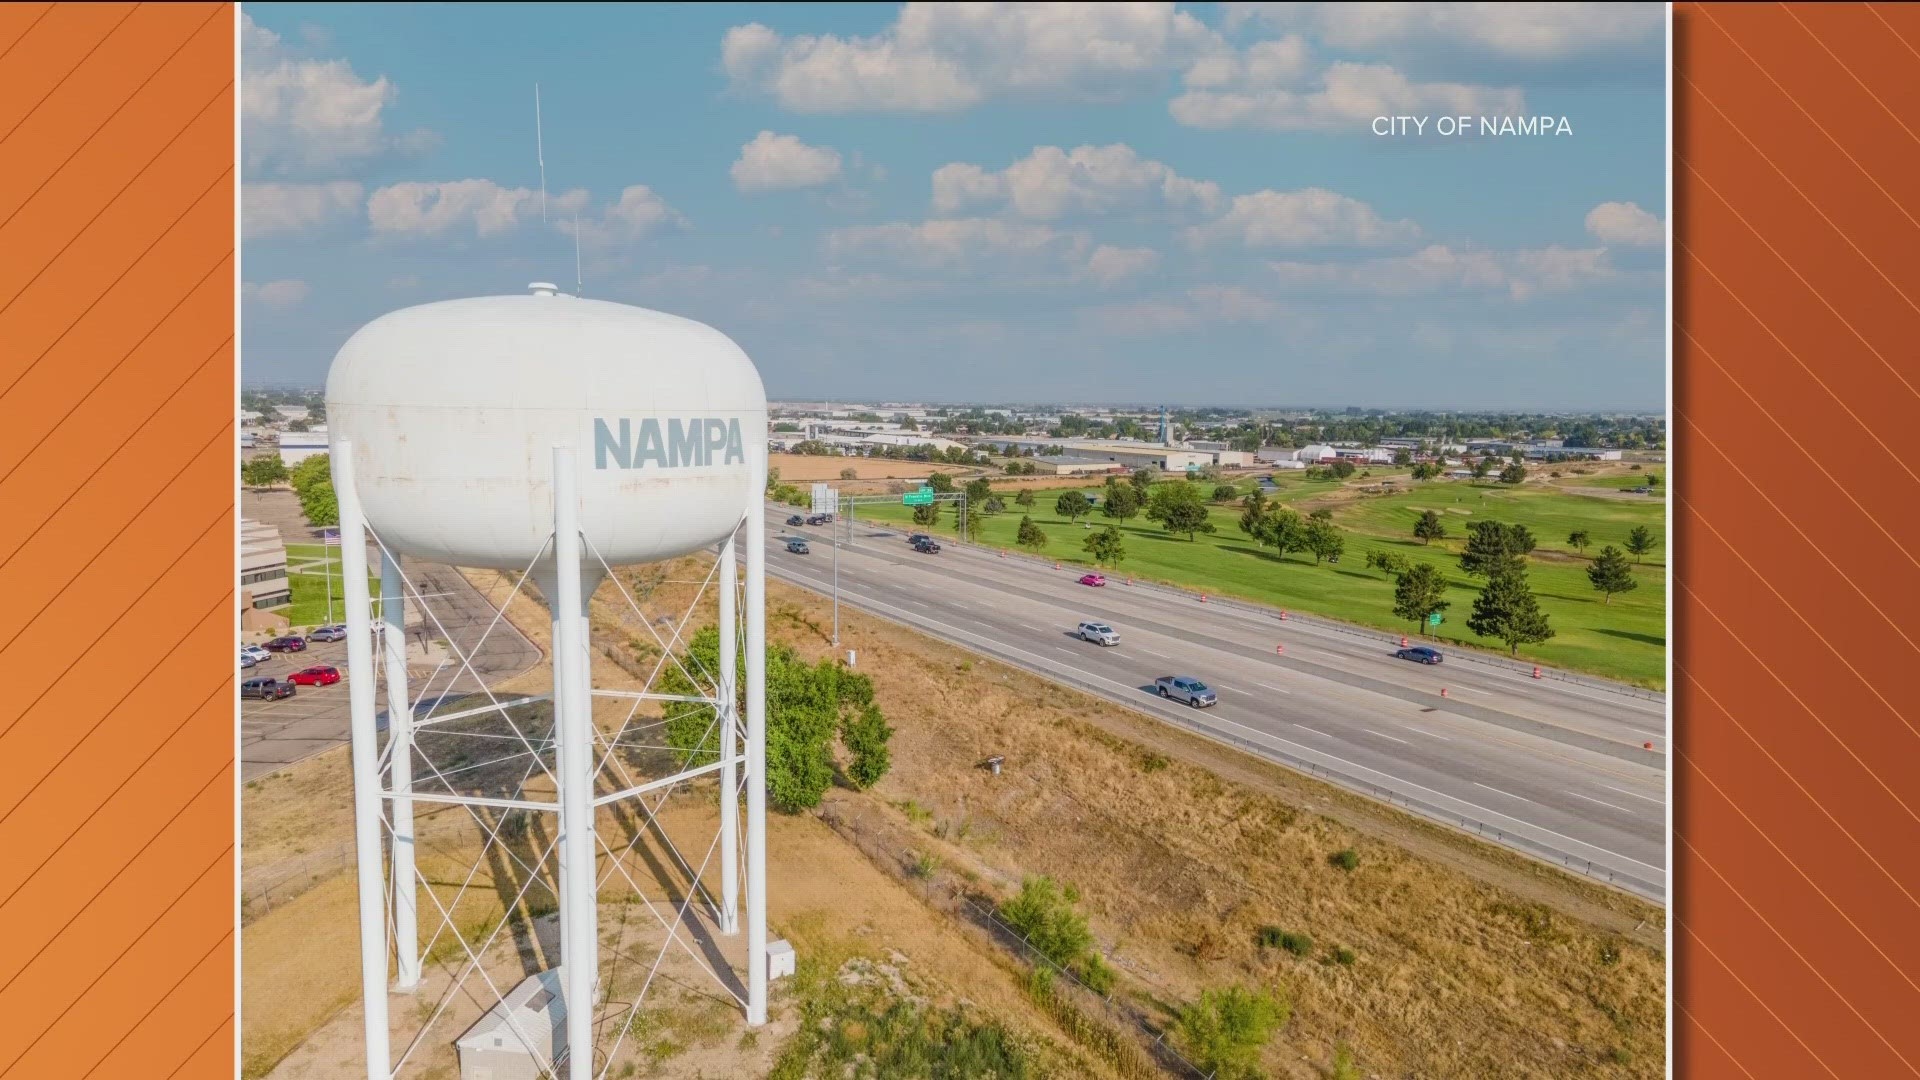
<point x="560" y="437"/>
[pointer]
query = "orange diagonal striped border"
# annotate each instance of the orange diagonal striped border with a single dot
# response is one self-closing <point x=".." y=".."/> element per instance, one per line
<point x="1797" y="392"/>
<point x="117" y="258"/>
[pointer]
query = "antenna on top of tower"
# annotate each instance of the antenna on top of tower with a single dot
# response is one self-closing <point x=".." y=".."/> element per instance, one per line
<point x="540" y="153"/>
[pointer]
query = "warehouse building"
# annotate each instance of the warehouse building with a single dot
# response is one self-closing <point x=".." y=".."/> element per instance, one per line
<point x="298" y="446"/>
<point x="263" y="576"/>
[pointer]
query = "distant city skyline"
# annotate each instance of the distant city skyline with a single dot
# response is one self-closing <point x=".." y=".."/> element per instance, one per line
<point x="1149" y="203"/>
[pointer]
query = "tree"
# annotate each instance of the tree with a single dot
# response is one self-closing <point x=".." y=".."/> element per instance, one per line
<point x="1392" y="563"/>
<point x="1418" y="593"/>
<point x="1025" y="498"/>
<point x="1507" y="611"/>
<point x="940" y="482"/>
<point x="1030" y="536"/>
<point x="1610" y="573"/>
<point x="807" y="705"/>
<point x="263" y="471"/>
<point x="1403" y="457"/>
<point x="1578" y="540"/>
<point x="1106" y="546"/>
<point x="1072" y="505"/>
<point x="849" y="473"/>
<point x="1513" y="474"/>
<point x="1226" y="1030"/>
<point x="1425" y="470"/>
<point x="1225" y="493"/>
<point x="927" y="516"/>
<point x="1283" y="528"/>
<point x="1492" y="545"/>
<point x="1482" y="467"/>
<point x="1429" y="528"/>
<point x="1254" y="515"/>
<point x="978" y="491"/>
<point x="1142" y="480"/>
<point x="1342" y="469"/>
<point x="994" y="505"/>
<point x="1120" y="501"/>
<point x="1639" y="542"/>
<point x="773" y="478"/>
<point x="1178" y="507"/>
<point x="1323" y="539"/>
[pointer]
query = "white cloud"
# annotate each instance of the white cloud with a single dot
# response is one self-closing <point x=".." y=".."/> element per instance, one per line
<point x="942" y="57"/>
<point x="268" y="208"/>
<point x="777" y="162"/>
<point x="1439" y="268"/>
<point x="955" y="242"/>
<point x="1265" y="63"/>
<point x="639" y="213"/>
<point x="1348" y="97"/>
<point x="1624" y="224"/>
<point x="1516" y="30"/>
<point x="433" y="208"/>
<point x="1199" y="306"/>
<point x="1050" y="182"/>
<point x="275" y="294"/>
<point x="304" y="116"/>
<point x="1311" y="217"/>
<point x="1109" y="265"/>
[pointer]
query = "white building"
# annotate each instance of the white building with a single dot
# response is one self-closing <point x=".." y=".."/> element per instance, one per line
<point x="298" y="446"/>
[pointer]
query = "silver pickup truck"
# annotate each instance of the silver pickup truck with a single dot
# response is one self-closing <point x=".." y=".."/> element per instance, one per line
<point x="1184" y="688"/>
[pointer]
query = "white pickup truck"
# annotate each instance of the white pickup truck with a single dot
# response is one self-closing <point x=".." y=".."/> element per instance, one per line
<point x="1184" y="688"/>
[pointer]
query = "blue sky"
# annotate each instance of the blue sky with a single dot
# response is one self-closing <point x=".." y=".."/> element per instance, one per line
<point x="1148" y="202"/>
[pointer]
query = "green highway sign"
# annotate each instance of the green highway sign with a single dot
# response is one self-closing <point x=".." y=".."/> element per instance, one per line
<point x="917" y="498"/>
<point x="1433" y="619"/>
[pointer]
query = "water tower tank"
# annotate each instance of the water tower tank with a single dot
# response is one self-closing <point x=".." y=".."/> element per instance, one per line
<point x="454" y="409"/>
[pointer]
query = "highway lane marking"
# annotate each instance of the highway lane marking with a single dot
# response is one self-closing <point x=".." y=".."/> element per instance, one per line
<point x="1428" y="734"/>
<point x="1370" y="731"/>
<point x="1237" y="690"/>
<point x="1274" y="688"/>
<point x="1161" y="655"/>
<point x="1591" y="799"/>
<point x="880" y="604"/>
<point x="1511" y="795"/>
<point x="1635" y="794"/>
<point x="1031" y="627"/>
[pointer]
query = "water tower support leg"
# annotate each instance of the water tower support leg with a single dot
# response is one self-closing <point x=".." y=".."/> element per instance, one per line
<point x="406" y="916"/>
<point x="728" y="724"/>
<point x="366" y="765"/>
<point x="573" y="710"/>
<point x="757" y="755"/>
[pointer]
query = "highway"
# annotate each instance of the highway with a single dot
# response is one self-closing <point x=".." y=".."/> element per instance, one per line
<point x="1556" y="770"/>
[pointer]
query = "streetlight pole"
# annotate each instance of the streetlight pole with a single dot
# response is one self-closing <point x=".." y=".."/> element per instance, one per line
<point x="836" y="571"/>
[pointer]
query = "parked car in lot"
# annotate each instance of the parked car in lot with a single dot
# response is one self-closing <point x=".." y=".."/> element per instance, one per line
<point x="259" y="654"/>
<point x="328" y="633"/>
<point x="1095" y="580"/>
<point x="1185" y="688"/>
<point x="797" y="546"/>
<point x="318" y="675"/>
<point x="1420" y="654"/>
<point x="926" y="545"/>
<point x="794" y="520"/>
<point x="287" y="644"/>
<point x="1099" y="633"/>
<point x="246" y="660"/>
<point x="266" y="689"/>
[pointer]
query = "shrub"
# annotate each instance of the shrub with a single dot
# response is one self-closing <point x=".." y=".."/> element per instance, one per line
<point x="924" y="867"/>
<point x="1042" y="912"/>
<point x="1152" y="762"/>
<point x="1268" y="937"/>
<point x="1609" y="953"/>
<point x="1225" y="1030"/>
<point x="1297" y="944"/>
<point x="1343" y="956"/>
<point x="1346" y="859"/>
<point x="1344" y="1067"/>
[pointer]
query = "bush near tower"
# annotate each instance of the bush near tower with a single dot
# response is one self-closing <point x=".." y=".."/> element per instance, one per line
<point x="808" y="706"/>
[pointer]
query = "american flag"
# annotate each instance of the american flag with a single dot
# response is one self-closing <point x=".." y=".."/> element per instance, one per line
<point x="330" y="537"/>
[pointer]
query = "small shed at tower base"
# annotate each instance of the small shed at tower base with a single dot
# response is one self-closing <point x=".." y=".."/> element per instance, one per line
<point x="528" y="1027"/>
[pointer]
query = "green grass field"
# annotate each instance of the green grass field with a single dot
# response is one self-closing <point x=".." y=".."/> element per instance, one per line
<point x="1625" y="640"/>
<point x="309" y="607"/>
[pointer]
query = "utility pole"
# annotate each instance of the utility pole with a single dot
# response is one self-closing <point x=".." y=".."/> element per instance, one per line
<point x="836" y="571"/>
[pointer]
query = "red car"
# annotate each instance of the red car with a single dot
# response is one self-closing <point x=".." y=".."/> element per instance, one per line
<point x="1092" y="579"/>
<point x="287" y="644"/>
<point x="322" y="675"/>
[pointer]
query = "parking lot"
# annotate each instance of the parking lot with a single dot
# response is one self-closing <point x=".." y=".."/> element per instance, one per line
<point x="274" y="734"/>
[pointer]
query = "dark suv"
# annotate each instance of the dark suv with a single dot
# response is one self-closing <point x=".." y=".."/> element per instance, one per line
<point x="926" y="545"/>
<point x="266" y="689"/>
